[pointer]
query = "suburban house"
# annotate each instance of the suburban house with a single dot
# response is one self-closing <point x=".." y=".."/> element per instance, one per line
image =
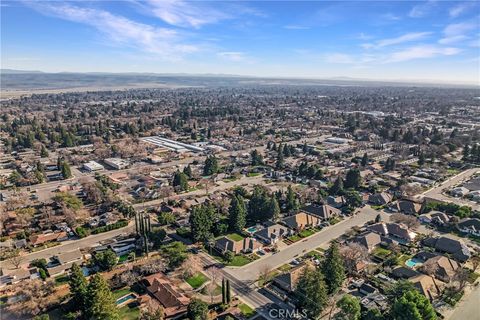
<point x="288" y="281"/>
<point x="406" y="206"/>
<point x="164" y="292"/>
<point x="458" y="250"/>
<point x="324" y="212"/>
<point x="470" y="226"/>
<point x="301" y="221"/>
<point x="245" y="245"/>
<point x="404" y="273"/>
<point x="64" y="261"/>
<point x="272" y="233"/>
<point x="435" y="217"/>
<point x="380" y="199"/>
<point x="39" y="239"/>
<point x="369" y="240"/>
<point x="444" y="268"/>
<point x="459" y="192"/>
<point x="428" y="286"/>
<point x="393" y="230"/>
<point x="17" y="275"/>
<point x="336" y="202"/>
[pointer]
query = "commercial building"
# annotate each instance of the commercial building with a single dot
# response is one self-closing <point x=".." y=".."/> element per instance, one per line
<point x="91" y="166"/>
<point x="116" y="163"/>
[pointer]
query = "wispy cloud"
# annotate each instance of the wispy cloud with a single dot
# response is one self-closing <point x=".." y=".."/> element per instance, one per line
<point x="422" y="9"/>
<point x="161" y="42"/>
<point x="460" y="9"/>
<point x="185" y="14"/>
<point x="295" y="27"/>
<point x="456" y="32"/>
<point x="421" y="52"/>
<point x="235" y="56"/>
<point x="408" y="37"/>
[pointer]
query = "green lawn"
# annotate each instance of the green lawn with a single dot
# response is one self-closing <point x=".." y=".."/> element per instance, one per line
<point x="127" y="313"/>
<point x="216" y="291"/>
<point x="294" y="238"/>
<point x="246" y="310"/>
<point x="306" y="233"/>
<point x="403" y="258"/>
<point x="334" y="221"/>
<point x="62" y="279"/>
<point x="285" y="267"/>
<point x="121" y="292"/>
<point x="253" y="174"/>
<point x="197" y="280"/>
<point x="239" y="261"/>
<point x="381" y="252"/>
<point x="234" y="236"/>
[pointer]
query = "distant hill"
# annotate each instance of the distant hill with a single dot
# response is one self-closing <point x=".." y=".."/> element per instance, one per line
<point x="14" y="71"/>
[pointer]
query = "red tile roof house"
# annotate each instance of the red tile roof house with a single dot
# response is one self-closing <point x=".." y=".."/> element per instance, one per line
<point x="245" y="245"/>
<point x="159" y="288"/>
<point x="39" y="239"/>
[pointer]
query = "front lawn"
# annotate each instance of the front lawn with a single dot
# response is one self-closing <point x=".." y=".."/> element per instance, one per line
<point x="197" y="280"/>
<point x="294" y="238"/>
<point x="235" y="237"/>
<point x="239" y="261"/>
<point x="127" y="313"/>
<point x="246" y="310"/>
<point x="306" y="233"/>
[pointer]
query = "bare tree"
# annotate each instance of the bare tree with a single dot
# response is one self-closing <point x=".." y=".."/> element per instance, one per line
<point x="430" y="267"/>
<point x="35" y="296"/>
<point x="460" y="278"/>
<point x="352" y="254"/>
<point x="265" y="272"/>
<point x="14" y="257"/>
<point x="214" y="275"/>
<point x="410" y="221"/>
<point x="475" y="260"/>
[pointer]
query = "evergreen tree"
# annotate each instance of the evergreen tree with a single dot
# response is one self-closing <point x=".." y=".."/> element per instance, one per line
<point x="258" y="208"/>
<point x="228" y="292"/>
<point x="337" y="187"/>
<point x="211" y="166"/>
<point x="202" y="222"/>
<point x="350" y="308"/>
<point x="353" y="199"/>
<point x="188" y="171"/>
<point x="364" y="160"/>
<point x="274" y="209"/>
<point x="180" y="181"/>
<point x="413" y="305"/>
<point x="421" y="159"/>
<point x="197" y="310"/>
<point x="333" y="268"/>
<point x="257" y="159"/>
<point x="224" y="295"/>
<point x="43" y="152"/>
<point x="237" y="214"/>
<point x="353" y="179"/>
<point x="78" y="287"/>
<point x="466" y="152"/>
<point x="292" y="202"/>
<point x="65" y="169"/>
<point x="100" y="301"/>
<point x="280" y="157"/>
<point x="311" y="292"/>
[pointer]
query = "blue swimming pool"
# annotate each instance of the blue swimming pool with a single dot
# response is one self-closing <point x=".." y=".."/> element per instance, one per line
<point x="124" y="299"/>
<point x="252" y="229"/>
<point x="412" y="263"/>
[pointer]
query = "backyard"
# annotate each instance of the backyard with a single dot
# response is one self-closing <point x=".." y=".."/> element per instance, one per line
<point x="197" y="280"/>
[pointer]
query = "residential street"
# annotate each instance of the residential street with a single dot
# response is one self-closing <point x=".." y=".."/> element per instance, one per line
<point x="468" y="309"/>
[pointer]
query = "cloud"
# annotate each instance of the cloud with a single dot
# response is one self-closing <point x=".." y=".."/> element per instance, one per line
<point x="422" y="10"/>
<point x="456" y="32"/>
<point x="460" y="9"/>
<point x="235" y="56"/>
<point x="295" y="27"/>
<point x="339" y="58"/>
<point x="162" y="42"/>
<point x="421" y="52"/>
<point x="408" y="37"/>
<point x="185" y="14"/>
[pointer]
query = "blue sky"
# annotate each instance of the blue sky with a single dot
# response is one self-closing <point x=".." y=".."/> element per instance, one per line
<point x="399" y="40"/>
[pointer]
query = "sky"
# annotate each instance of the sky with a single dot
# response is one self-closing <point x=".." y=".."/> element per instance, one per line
<point x="383" y="40"/>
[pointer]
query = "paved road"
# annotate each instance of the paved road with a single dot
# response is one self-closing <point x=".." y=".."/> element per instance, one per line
<point x="468" y="309"/>
<point x="251" y="271"/>
<point x="71" y="245"/>
<point x="436" y="192"/>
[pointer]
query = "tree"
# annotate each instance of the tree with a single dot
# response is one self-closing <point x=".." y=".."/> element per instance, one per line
<point x="372" y="314"/>
<point x="214" y="274"/>
<point x="106" y="260"/>
<point x="349" y="308"/>
<point x="311" y="292"/>
<point x="156" y="236"/>
<point x="364" y="161"/>
<point x="378" y="218"/>
<point x="180" y="181"/>
<point x="65" y="169"/>
<point x="100" y="301"/>
<point x="274" y="209"/>
<point x="78" y="287"/>
<point x="197" y="310"/>
<point x="257" y="159"/>
<point x="265" y="273"/>
<point x="333" y="268"/>
<point x="337" y="187"/>
<point x="228" y="292"/>
<point x="188" y="171"/>
<point x="352" y="254"/>
<point x="353" y="179"/>
<point x="421" y="159"/>
<point x="202" y="222"/>
<point x="353" y="199"/>
<point x="413" y="305"/>
<point x="409" y="221"/>
<point x="258" y="209"/>
<point x="237" y="214"/>
<point x="13" y="256"/>
<point x="280" y="158"/>
<point x="175" y="253"/>
<point x="291" y="202"/>
<point x="211" y="166"/>
<point x="43" y="152"/>
<point x="36" y="297"/>
<point x="152" y="311"/>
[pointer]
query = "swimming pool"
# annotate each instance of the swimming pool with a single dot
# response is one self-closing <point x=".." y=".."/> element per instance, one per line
<point x="412" y="263"/>
<point x="124" y="299"/>
<point x="252" y="229"/>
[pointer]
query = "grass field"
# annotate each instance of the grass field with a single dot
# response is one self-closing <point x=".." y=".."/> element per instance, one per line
<point x="127" y="313"/>
<point x="197" y="280"/>
<point x="121" y="292"/>
<point x="246" y="310"/>
<point x="235" y="237"/>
